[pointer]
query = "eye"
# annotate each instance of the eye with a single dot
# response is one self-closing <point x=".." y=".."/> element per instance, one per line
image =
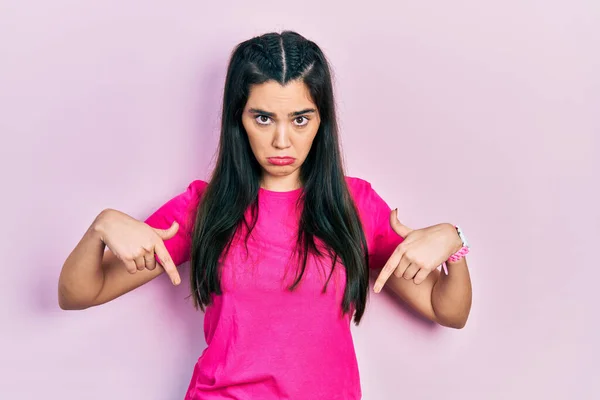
<point x="262" y="120"/>
<point x="301" y="121"/>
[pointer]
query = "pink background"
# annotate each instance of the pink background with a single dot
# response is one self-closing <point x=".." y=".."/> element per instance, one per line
<point x="484" y="114"/>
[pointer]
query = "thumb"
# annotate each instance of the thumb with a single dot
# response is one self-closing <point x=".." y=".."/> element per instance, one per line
<point x="397" y="226"/>
<point x="168" y="233"/>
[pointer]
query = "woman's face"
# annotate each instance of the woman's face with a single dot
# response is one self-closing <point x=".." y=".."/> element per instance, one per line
<point x="281" y="123"/>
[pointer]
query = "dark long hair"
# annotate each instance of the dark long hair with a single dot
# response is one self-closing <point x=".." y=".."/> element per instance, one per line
<point x="328" y="212"/>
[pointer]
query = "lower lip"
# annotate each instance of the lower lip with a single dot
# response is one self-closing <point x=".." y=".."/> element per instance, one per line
<point x="281" y="161"/>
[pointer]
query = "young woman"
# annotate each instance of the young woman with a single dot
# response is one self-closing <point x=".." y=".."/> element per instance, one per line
<point x="280" y="241"/>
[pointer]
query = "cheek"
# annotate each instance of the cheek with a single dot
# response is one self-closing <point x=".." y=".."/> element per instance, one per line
<point x="254" y="143"/>
<point x="305" y="145"/>
<point x="259" y="142"/>
<point x="306" y="142"/>
<point x="251" y="133"/>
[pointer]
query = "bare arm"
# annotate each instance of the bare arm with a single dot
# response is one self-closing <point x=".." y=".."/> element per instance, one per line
<point x="411" y="272"/>
<point x="93" y="274"/>
<point x="452" y="294"/>
<point x="416" y="296"/>
<point x="444" y="299"/>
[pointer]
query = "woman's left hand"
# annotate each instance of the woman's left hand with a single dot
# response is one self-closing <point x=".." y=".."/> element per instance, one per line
<point x="422" y="251"/>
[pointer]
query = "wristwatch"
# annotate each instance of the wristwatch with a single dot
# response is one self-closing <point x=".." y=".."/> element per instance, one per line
<point x="462" y="236"/>
<point x="464" y="250"/>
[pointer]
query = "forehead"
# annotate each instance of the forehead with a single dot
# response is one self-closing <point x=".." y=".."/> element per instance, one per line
<point x="272" y="96"/>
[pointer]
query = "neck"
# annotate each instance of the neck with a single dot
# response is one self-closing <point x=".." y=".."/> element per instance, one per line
<point x="280" y="183"/>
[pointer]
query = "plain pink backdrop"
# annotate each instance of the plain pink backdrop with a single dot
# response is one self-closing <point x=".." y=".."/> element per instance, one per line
<point x="484" y="114"/>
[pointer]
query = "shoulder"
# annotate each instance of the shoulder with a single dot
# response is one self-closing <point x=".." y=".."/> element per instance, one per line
<point x="185" y="198"/>
<point x="355" y="183"/>
<point x="366" y="198"/>
<point x="360" y="189"/>
<point x="181" y="207"/>
<point x="372" y="209"/>
<point x="191" y="194"/>
<point x="194" y="192"/>
<point x="197" y="186"/>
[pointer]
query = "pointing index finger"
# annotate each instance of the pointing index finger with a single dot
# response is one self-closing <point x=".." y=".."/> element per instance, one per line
<point x="164" y="258"/>
<point x="388" y="269"/>
<point x="381" y="280"/>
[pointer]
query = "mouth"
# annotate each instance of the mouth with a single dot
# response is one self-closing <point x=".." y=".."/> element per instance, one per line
<point x="281" y="160"/>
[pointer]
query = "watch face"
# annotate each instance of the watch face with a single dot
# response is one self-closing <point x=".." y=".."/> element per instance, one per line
<point x="462" y="237"/>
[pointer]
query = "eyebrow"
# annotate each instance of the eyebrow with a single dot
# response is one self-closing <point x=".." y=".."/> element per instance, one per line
<point x="292" y="114"/>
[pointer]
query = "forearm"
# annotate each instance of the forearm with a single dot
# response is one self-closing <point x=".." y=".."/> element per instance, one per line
<point x="82" y="277"/>
<point x="451" y="296"/>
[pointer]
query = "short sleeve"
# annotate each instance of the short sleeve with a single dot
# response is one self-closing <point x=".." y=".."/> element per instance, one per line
<point x="181" y="208"/>
<point x="374" y="212"/>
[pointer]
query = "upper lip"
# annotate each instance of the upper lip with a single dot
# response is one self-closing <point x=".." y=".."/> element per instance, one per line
<point x="282" y="157"/>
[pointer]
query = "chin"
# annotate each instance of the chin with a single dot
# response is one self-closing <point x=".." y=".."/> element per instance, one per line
<point x="279" y="170"/>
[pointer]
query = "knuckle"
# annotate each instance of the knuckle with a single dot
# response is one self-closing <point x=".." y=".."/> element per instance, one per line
<point x="148" y="247"/>
<point x="139" y="252"/>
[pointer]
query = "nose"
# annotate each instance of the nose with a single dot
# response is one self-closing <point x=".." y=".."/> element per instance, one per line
<point x="281" y="139"/>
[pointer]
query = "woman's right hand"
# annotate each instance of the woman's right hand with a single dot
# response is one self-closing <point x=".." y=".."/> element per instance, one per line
<point x="135" y="242"/>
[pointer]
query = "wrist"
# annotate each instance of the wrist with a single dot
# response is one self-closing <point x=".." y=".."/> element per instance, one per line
<point x="97" y="229"/>
<point x="455" y="240"/>
<point x="460" y="249"/>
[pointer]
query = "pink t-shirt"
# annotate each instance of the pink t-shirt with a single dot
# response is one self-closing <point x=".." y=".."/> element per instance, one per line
<point x="265" y="342"/>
